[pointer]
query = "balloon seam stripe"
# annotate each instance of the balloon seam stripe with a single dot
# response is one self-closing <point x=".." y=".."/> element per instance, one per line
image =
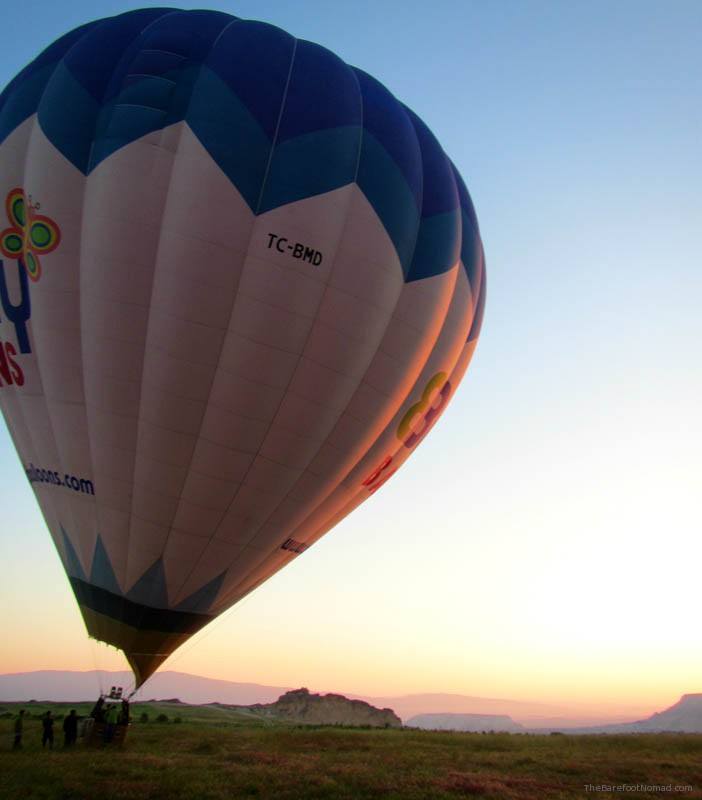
<point x="274" y="140"/>
<point x="364" y="379"/>
<point x="233" y="303"/>
<point x="166" y="196"/>
<point x="390" y="317"/>
<point x="300" y="356"/>
<point x="132" y="41"/>
<point x="34" y="127"/>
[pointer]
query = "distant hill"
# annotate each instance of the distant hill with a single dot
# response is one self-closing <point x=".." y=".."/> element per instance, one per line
<point x="300" y="705"/>
<point x="498" y="723"/>
<point x="527" y="712"/>
<point x="59" y="685"/>
<point x="683" y="717"/>
<point x="66" y="686"/>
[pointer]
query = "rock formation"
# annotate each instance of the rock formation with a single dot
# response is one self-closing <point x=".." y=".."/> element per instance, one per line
<point x="299" y="705"/>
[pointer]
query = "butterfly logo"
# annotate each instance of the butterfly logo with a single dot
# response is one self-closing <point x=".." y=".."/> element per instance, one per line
<point x="30" y="234"/>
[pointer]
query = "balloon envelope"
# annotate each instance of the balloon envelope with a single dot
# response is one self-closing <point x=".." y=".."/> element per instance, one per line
<point x="240" y="281"/>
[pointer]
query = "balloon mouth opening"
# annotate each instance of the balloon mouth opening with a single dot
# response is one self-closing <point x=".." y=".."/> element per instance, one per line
<point x="143" y="665"/>
<point x="147" y="636"/>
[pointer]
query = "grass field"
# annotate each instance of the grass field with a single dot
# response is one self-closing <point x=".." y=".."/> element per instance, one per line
<point x="219" y="754"/>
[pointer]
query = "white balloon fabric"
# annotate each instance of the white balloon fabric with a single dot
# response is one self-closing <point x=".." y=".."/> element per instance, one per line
<point x="239" y="283"/>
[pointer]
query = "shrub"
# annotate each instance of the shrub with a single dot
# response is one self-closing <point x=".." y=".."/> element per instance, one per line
<point x="177" y="719"/>
<point x="144" y="717"/>
<point x="162" y="718"/>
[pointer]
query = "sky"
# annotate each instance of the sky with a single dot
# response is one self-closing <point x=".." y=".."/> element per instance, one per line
<point x="544" y="543"/>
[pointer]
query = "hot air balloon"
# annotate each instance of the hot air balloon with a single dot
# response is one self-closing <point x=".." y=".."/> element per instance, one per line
<point x="240" y="282"/>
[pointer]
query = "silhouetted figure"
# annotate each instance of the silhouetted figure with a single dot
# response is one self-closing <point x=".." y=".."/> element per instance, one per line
<point x="98" y="712"/>
<point x="47" y="732"/>
<point x="111" y="719"/>
<point x="70" y="729"/>
<point x="19" y="728"/>
<point x="124" y="713"/>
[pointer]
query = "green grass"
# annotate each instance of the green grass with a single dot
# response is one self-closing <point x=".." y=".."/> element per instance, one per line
<point x="220" y="754"/>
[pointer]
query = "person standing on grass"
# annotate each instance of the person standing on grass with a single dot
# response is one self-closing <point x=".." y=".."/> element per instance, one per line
<point x="98" y="712"/>
<point x="19" y="727"/>
<point x="111" y="719"/>
<point x="47" y="734"/>
<point x="70" y="729"/>
<point x="124" y="713"/>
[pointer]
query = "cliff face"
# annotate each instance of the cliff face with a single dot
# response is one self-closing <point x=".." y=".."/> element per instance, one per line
<point x="329" y="709"/>
<point x="684" y="716"/>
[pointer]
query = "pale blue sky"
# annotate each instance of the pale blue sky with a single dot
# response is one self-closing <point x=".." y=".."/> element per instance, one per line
<point x="565" y="474"/>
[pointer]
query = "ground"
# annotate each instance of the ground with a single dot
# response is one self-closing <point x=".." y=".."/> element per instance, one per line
<point x="215" y="753"/>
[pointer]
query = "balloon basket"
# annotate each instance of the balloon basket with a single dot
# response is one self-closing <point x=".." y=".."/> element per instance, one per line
<point x="97" y="735"/>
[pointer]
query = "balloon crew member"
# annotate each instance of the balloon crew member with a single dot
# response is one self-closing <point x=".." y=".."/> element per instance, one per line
<point x="70" y="729"/>
<point x="111" y="719"/>
<point x="98" y="712"/>
<point x="124" y="713"/>
<point x="19" y="728"/>
<point x="47" y="733"/>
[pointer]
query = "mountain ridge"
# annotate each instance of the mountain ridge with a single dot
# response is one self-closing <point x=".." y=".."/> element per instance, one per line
<point x="74" y="685"/>
<point x="474" y="723"/>
<point x="685" y="716"/>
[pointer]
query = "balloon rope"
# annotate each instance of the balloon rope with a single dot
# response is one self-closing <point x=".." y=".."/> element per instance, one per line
<point x="93" y="645"/>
